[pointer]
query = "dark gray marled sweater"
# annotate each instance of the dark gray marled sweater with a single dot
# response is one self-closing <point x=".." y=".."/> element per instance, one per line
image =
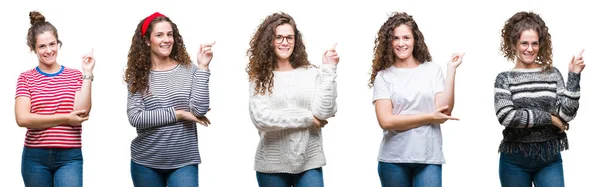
<point x="524" y="100"/>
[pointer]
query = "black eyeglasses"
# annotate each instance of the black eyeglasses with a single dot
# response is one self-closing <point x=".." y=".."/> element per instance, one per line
<point x="290" y="38"/>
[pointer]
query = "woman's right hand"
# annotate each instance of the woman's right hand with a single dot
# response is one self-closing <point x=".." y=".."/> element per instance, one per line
<point x="319" y="123"/>
<point x="183" y="115"/>
<point x="438" y="116"/>
<point x="77" y="117"/>
<point x="557" y="122"/>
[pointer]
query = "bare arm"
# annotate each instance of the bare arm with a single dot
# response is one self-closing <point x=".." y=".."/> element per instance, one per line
<point x="27" y="119"/>
<point x="446" y="97"/>
<point x="83" y="97"/>
<point x="389" y="121"/>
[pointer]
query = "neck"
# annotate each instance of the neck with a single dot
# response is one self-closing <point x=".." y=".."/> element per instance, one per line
<point x="50" y="69"/>
<point x="284" y="65"/>
<point x="521" y="65"/>
<point x="162" y="63"/>
<point x="409" y="62"/>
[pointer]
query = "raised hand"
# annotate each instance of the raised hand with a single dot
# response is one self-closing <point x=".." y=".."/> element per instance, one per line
<point x="456" y="60"/>
<point x="330" y="56"/>
<point x="438" y="116"/>
<point x="205" y="55"/>
<point x="577" y="65"/>
<point x="87" y="62"/>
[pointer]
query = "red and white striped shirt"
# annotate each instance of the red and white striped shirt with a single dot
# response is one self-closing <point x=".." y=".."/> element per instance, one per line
<point x="51" y="94"/>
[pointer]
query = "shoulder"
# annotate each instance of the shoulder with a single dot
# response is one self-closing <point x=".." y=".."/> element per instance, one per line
<point x="72" y="73"/>
<point x="431" y="66"/>
<point x="68" y="70"/>
<point x="27" y="73"/>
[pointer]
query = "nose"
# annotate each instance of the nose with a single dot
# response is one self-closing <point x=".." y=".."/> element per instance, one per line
<point x="48" y="50"/>
<point x="530" y="48"/>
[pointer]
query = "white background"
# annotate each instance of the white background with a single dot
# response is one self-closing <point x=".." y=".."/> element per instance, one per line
<point x="352" y="138"/>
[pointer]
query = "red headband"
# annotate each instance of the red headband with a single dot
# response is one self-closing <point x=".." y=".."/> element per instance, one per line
<point x="147" y="22"/>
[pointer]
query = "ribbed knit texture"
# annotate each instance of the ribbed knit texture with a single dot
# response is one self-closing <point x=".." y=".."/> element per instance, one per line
<point x="289" y="142"/>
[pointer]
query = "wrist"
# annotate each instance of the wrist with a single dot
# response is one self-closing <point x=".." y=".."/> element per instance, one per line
<point x="203" y="67"/>
<point x="178" y="114"/>
<point x="87" y="76"/>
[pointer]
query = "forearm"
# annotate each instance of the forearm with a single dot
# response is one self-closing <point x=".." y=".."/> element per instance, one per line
<point x="37" y="121"/>
<point x="404" y="121"/>
<point x="569" y="99"/>
<point x="324" y="104"/>
<point x="447" y="96"/>
<point x="151" y="118"/>
<point x="83" y="100"/>
<point x="200" y="98"/>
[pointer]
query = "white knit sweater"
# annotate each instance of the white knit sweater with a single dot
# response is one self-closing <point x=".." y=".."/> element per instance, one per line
<point x="289" y="142"/>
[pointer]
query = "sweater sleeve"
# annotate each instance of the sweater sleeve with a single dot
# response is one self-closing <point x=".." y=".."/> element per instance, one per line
<point x="267" y="119"/>
<point x="511" y="116"/>
<point x="199" y="96"/>
<point x="141" y="118"/>
<point x="324" y="102"/>
<point x="568" y="96"/>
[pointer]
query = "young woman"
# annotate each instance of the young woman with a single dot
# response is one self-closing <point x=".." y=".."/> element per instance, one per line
<point x="52" y="102"/>
<point x="411" y="100"/>
<point x="290" y="101"/>
<point x="168" y="95"/>
<point x="534" y="105"/>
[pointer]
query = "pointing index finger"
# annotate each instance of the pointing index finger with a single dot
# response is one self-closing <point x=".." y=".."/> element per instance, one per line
<point x="580" y="53"/>
<point x="333" y="47"/>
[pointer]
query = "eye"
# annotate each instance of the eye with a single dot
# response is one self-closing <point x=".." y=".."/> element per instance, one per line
<point x="170" y="34"/>
<point x="278" y="37"/>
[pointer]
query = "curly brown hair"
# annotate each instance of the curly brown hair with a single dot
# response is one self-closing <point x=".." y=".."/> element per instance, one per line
<point x="384" y="51"/>
<point x="511" y="33"/>
<point x="138" y="59"/>
<point x="262" y="52"/>
<point x="39" y="25"/>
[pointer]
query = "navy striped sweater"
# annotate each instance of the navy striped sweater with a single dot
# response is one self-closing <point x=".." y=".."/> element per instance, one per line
<point x="162" y="141"/>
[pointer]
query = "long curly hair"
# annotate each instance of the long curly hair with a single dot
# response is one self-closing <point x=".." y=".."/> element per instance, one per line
<point x="39" y="25"/>
<point x="384" y="51"/>
<point x="262" y="52"/>
<point x="511" y="33"/>
<point x="138" y="59"/>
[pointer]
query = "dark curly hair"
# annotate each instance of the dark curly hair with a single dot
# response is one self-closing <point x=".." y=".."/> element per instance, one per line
<point x="262" y="52"/>
<point x="511" y="33"/>
<point x="138" y="59"/>
<point x="384" y="51"/>
<point x="39" y="25"/>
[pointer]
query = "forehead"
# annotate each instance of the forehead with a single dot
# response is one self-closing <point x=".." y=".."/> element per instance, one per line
<point x="285" y="29"/>
<point x="163" y="26"/>
<point x="45" y="37"/>
<point x="529" y="35"/>
<point x="402" y="30"/>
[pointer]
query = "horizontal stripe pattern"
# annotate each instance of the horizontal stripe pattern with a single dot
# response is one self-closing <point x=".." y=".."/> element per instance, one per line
<point x="51" y="94"/>
<point x="162" y="141"/>
<point x="525" y="99"/>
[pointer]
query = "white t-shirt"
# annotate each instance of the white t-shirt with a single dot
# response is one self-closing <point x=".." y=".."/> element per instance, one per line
<point x="412" y="91"/>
